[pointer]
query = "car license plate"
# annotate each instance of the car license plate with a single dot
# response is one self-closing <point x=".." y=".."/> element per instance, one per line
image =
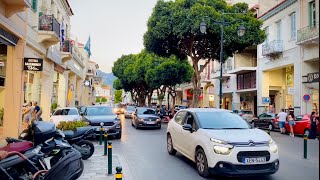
<point x="150" y="122"/>
<point x="254" y="160"/>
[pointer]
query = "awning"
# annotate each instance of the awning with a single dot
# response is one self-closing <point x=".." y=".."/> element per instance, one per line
<point x="243" y="70"/>
<point x="8" y="38"/>
<point x="60" y="69"/>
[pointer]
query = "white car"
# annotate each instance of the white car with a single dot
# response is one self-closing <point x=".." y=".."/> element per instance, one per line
<point x="222" y="143"/>
<point x="65" y="114"/>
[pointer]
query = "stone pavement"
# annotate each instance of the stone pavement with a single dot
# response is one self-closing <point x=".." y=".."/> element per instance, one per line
<point x="96" y="167"/>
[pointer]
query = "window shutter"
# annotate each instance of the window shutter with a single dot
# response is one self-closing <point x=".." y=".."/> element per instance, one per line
<point x="34" y="4"/>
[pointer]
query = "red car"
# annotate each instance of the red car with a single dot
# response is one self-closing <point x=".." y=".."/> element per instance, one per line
<point x="302" y="126"/>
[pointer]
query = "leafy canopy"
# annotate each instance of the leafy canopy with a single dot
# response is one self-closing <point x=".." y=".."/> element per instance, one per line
<point x="173" y="28"/>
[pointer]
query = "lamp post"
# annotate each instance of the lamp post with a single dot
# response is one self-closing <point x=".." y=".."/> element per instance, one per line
<point x="203" y="30"/>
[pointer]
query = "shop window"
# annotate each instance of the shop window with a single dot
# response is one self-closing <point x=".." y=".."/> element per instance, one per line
<point x="293" y="25"/>
<point x="312" y="14"/>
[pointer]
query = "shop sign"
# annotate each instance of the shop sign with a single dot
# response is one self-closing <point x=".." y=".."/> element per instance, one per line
<point x="313" y="77"/>
<point x="265" y="100"/>
<point x="291" y="91"/>
<point x="33" y="64"/>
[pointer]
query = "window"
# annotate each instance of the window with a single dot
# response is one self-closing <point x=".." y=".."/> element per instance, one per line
<point x="180" y="117"/>
<point x="34" y="5"/>
<point x="190" y="120"/>
<point x="278" y="25"/>
<point x="246" y="81"/>
<point x="221" y="120"/>
<point x="293" y="25"/>
<point x="266" y="30"/>
<point x="312" y="13"/>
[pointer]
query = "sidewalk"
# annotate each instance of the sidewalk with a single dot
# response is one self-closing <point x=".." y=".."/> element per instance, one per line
<point x="96" y="167"/>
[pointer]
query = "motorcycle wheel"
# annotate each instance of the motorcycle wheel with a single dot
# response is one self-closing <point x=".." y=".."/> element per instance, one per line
<point x="86" y="144"/>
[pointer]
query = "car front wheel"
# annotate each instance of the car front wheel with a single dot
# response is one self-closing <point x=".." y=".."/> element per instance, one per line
<point x="170" y="148"/>
<point x="202" y="163"/>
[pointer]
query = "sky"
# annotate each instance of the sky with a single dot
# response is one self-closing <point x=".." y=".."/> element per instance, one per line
<point x="116" y="27"/>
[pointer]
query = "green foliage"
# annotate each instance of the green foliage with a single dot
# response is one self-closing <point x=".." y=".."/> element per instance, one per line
<point x="54" y="106"/>
<point x="98" y="99"/>
<point x="103" y="99"/>
<point x="1" y="116"/>
<point x="71" y="125"/>
<point x="117" y="84"/>
<point x="173" y="28"/>
<point x="117" y="96"/>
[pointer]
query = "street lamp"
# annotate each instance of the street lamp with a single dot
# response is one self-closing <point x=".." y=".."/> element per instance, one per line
<point x="241" y="31"/>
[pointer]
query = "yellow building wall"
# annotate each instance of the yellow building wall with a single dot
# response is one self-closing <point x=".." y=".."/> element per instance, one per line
<point x="276" y="78"/>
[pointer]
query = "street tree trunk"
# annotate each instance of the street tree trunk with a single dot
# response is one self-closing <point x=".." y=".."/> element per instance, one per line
<point x="161" y="93"/>
<point x="149" y="99"/>
<point x="196" y="80"/>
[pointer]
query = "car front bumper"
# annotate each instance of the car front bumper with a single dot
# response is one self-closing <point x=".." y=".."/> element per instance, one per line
<point x="111" y="130"/>
<point x="144" y="125"/>
<point x="228" y="169"/>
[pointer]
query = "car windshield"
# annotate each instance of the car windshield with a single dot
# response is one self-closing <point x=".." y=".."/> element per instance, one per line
<point x="99" y="111"/>
<point x="146" y="111"/>
<point x="130" y="108"/>
<point x="66" y="112"/>
<point x="246" y="112"/>
<point x="221" y="120"/>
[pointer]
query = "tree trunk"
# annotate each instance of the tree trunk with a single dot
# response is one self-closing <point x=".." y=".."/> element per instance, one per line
<point x="196" y="80"/>
<point x="149" y="99"/>
<point x="142" y="101"/>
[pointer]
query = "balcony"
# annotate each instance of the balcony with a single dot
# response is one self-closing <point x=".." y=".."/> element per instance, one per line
<point x="66" y="51"/>
<point x="76" y="55"/>
<point x="225" y="73"/>
<point x="90" y="73"/>
<point x="49" y="30"/>
<point x="308" y="35"/>
<point x="272" y="49"/>
<point x="15" y="6"/>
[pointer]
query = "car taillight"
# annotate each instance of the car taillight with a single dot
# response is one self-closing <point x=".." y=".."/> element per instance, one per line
<point x="241" y="115"/>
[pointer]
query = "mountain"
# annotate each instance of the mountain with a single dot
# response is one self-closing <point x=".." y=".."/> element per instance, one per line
<point x="107" y="78"/>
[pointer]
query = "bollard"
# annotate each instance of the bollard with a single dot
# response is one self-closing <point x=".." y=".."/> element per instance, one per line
<point x="305" y="146"/>
<point x="269" y="131"/>
<point x="109" y="157"/>
<point x="119" y="173"/>
<point x="105" y="144"/>
<point x="100" y="138"/>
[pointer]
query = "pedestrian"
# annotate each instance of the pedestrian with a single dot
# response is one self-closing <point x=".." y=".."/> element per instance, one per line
<point x="282" y="117"/>
<point x="27" y="114"/>
<point x="314" y="118"/>
<point x="291" y="124"/>
<point x="37" y="112"/>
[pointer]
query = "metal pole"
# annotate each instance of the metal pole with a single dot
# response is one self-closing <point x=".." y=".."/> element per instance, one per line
<point x="100" y="137"/>
<point x="221" y="59"/>
<point x="305" y="146"/>
<point x="119" y="173"/>
<point x="105" y="144"/>
<point x="109" y="157"/>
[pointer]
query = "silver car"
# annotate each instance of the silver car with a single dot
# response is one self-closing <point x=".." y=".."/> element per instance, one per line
<point x="247" y="115"/>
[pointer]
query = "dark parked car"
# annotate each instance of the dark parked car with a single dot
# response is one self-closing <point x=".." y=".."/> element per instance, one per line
<point x="98" y="116"/>
<point x="145" y="117"/>
<point x="266" y="120"/>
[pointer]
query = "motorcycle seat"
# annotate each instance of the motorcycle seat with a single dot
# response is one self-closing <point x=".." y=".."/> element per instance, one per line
<point x="78" y="132"/>
<point x="18" y="146"/>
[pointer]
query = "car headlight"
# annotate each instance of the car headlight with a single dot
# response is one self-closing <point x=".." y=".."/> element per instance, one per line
<point x="273" y="147"/>
<point x="218" y="141"/>
<point x="118" y="127"/>
<point x="101" y="124"/>
<point x="222" y="150"/>
<point x="158" y="119"/>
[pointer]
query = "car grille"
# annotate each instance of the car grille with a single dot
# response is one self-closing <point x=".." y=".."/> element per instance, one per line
<point x="105" y="124"/>
<point x="253" y="167"/>
<point x="253" y="154"/>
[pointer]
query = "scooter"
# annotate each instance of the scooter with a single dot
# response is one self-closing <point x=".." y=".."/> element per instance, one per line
<point x="76" y="140"/>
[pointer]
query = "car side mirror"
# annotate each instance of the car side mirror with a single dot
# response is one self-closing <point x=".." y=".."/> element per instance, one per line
<point x="187" y="127"/>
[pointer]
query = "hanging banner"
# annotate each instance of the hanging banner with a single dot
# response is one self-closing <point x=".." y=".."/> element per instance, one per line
<point x="32" y="64"/>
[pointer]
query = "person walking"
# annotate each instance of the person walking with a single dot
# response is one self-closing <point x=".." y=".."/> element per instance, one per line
<point x="314" y="118"/>
<point x="37" y="112"/>
<point x="282" y="117"/>
<point x="291" y="124"/>
<point x="27" y="115"/>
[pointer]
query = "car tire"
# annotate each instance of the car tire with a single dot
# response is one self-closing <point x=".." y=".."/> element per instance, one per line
<point x="170" y="148"/>
<point x="202" y="163"/>
<point x="270" y="127"/>
<point x="118" y="136"/>
<point x="159" y="127"/>
<point x="253" y="124"/>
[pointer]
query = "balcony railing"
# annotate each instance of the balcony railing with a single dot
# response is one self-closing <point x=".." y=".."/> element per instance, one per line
<point x="67" y="46"/>
<point x="308" y="33"/>
<point x="225" y="69"/>
<point x="49" y="23"/>
<point x="272" y="48"/>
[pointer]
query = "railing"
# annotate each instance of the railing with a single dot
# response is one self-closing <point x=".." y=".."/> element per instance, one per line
<point x="308" y="32"/>
<point x="49" y="23"/>
<point x="67" y="46"/>
<point x="273" y="47"/>
<point x="225" y="69"/>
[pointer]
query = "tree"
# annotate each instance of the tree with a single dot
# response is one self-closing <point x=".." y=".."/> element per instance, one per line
<point x="104" y="100"/>
<point x="168" y="74"/>
<point x="117" y="96"/>
<point x="98" y="99"/>
<point x="173" y="28"/>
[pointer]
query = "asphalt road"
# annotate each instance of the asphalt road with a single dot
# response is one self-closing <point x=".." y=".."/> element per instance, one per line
<point x="146" y="157"/>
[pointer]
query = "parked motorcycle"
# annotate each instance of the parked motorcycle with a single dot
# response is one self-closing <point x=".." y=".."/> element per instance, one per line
<point x="77" y="140"/>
